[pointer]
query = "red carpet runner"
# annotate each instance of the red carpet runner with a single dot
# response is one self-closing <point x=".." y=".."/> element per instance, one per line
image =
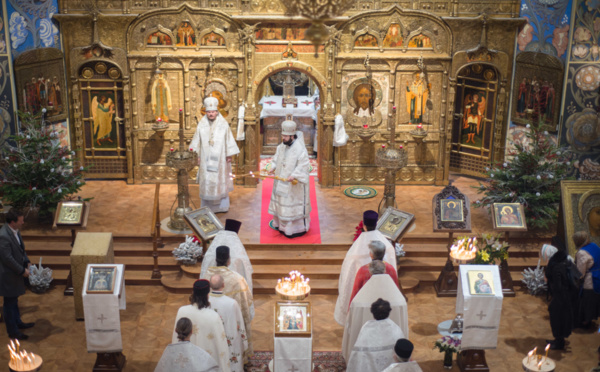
<point x="270" y="236"/>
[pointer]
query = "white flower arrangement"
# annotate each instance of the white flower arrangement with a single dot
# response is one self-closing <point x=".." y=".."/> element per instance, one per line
<point x="40" y="278"/>
<point x="188" y="252"/>
<point x="400" y="252"/>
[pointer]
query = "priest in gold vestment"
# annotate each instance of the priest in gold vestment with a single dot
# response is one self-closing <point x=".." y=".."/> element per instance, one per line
<point x="235" y="287"/>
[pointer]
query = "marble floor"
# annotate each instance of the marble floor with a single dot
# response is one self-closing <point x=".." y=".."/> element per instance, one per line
<point x="147" y="326"/>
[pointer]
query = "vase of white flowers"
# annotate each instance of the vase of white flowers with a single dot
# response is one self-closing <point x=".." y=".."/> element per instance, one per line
<point x="448" y="345"/>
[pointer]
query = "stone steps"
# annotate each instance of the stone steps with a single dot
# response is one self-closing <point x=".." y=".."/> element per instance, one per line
<point x="424" y="260"/>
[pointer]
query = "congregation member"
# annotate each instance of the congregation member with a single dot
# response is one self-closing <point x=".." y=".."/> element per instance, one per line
<point x="235" y="286"/>
<point x="379" y="286"/>
<point x="230" y="313"/>
<point x="184" y="356"/>
<point x="563" y="295"/>
<point x="358" y="256"/>
<point x="374" y="347"/>
<point x="376" y="252"/>
<point x="290" y="204"/>
<point x="209" y="332"/>
<point x="215" y="145"/>
<point x="240" y="263"/>
<point x="587" y="259"/>
<point x="402" y="352"/>
<point x="14" y="268"/>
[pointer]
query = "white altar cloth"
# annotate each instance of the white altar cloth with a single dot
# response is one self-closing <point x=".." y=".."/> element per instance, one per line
<point x="292" y="353"/>
<point x="101" y="311"/>
<point x="481" y="312"/>
<point x="272" y="106"/>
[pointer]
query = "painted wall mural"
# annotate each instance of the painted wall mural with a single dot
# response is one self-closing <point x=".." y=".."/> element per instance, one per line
<point x="7" y="123"/>
<point x="581" y="107"/>
<point x="31" y="25"/>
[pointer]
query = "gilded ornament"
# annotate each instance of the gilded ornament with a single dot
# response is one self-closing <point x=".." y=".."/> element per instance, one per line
<point x="100" y="68"/>
<point x="87" y="73"/>
<point x="114" y="73"/>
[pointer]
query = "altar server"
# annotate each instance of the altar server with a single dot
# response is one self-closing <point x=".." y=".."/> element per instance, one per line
<point x="357" y="256"/>
<point x="184" y="356"/>
<point x="235" y="287"/>
<point x="290" y="204"/>
<point x="209" y="333"/>
<point x="376" y="252"/>
<point x="215" y="145"/>
<point x="235" y="329"/>
<point x="403" y="350"/>
<point x="379" y="286"/>
<point x="240" y="263"/>
<point x="374" y="347"/>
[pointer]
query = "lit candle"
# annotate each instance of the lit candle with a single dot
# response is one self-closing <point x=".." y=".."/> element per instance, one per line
<point x="540" y="366"/>
<point x="180" y="110"/>
<point x="420" y="126"/>
<point x="29" y="361"/>
<point x="18" y="345"/>
<point x="394" y="108"/>
<point x="535" y="351"/>
<point x="547" y="348"/>
<point x="401" y="147"/>
<point x="172" y="149"/>
<point x="383" y="146"/>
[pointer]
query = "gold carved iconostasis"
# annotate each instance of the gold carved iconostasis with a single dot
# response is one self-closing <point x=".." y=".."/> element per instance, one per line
<point x="132" y="66"/>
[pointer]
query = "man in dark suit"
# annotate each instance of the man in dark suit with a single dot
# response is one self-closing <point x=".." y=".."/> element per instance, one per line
<point x="14" y="267"/>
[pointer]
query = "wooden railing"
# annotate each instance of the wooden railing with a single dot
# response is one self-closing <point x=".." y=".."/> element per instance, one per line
<point x="155" y="233"/>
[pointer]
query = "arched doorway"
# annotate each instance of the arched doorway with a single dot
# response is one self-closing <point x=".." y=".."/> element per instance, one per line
<point x="474" y="118"/>
<point x="270" y="133"/>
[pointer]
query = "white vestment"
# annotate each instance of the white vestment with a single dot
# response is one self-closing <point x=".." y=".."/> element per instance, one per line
<point x="237" y="288"/>
<point x="411" y="366"/>
<point x="230" y="313"/>
<point x="374" y="348"/>
<point x="379" y="286"/>
<point x="214" y="143"/>
<point x="240" y="263"/>
<point x="290" y="204"/>
<point x="186" y="357"/>
<point x="357" y="256"/>
<point x="208" y="333"/>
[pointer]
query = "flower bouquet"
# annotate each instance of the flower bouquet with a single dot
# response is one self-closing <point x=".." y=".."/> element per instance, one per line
<point x="448" y="345"/>
<point x="490" y="249"/>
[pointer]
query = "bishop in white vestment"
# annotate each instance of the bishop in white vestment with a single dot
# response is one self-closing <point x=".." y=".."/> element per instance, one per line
<point x="240" y="263"/>
<point x="378" y="286"/>
<point x="357" y="256"/>
<point x="230" y="313"/>
<point x="374" y="348"/>
<point x="215" y="145"/>
<point x="290" y="204"/>
<point x="208" y="330"/>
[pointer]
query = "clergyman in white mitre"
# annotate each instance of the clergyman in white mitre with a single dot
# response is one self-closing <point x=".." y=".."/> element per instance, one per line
<point x="358" y="256"/>
<point x="290" y="204"/>
<point x="240" y="263"/>
<point x="374" y="347"/>
<point x="215" y="145"/>
<point x="380" y="285"/>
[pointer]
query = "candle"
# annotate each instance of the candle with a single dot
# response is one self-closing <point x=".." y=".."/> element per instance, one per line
<point x="401" y="147"/>
<point x="535" y="351"/>
<point x="420" y="126"/>
<point x="18" y="345"/>
<point x="383" y="146"/>
<point x="180" y="110"/>
<point x="172" y="149"/>
<point x="547" y="348"/>
<point x="394" y="108"/>
<point x="366" y="126"/>
<point x="540" y="366"/>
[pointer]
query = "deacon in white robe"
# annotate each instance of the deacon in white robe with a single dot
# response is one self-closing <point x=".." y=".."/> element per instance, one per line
<point x="235" y="287"/>
<point x="374" y="348"/>
<point x="357" y="256"/>
<point x="185" y="356"/>
<point x="290" y="204"/>
<point x="230" y="313"/>
<point x="208" y="330"/>
<point x="403" y="350"/>
<point x="379" y="286"/>
<point x="240" y="263"/>
<point x="215" y="145"/>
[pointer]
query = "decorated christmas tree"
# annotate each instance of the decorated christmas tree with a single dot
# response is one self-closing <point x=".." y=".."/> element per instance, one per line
<point x="531" y="177"/>
<point x="39" y="171"/>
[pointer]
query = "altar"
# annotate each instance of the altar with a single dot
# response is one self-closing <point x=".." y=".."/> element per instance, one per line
<point x="273" y="113"/>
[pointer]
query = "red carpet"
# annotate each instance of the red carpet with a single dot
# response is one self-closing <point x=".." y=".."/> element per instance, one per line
<point x="270" y="236"/>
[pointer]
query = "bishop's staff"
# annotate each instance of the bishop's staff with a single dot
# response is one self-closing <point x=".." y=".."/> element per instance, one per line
<point x="263" y="176"/>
